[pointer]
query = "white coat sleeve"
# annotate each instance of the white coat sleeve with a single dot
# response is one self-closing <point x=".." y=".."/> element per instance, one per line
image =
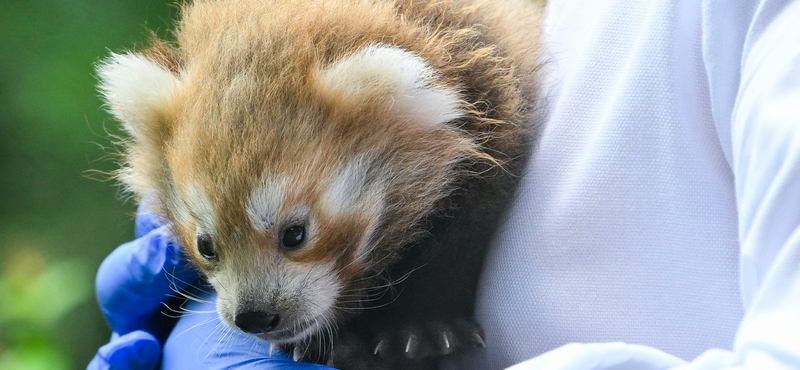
<point x="765" y="157"/>
<point x="752" y="55"/>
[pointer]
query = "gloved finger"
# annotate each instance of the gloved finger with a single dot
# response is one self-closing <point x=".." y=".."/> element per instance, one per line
<point x="137" y="277"/>
<point x="137" y="350"/>
<point x="146" y="221"/>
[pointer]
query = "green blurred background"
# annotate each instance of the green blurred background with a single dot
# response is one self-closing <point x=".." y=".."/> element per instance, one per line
<point x="56" y="221"/>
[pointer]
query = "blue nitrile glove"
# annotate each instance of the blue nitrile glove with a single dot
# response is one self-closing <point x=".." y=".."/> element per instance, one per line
<point x="137" y="350"/>
<point x="137" y="277"/>
<point x="132" y="284"/>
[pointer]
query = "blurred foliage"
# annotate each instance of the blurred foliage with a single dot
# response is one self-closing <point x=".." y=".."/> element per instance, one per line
<point x="57" y="224"/>
<point x="36" y="296"/>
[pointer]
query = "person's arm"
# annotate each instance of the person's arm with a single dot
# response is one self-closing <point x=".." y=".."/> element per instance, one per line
<point x="765" y="137"/>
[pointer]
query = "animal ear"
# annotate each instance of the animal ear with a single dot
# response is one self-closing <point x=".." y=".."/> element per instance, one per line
<point x="403" y="80"/>
<point x="136" y="91"/>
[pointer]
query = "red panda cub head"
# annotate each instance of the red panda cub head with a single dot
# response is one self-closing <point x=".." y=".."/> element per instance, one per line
<point x="290" y="176"/>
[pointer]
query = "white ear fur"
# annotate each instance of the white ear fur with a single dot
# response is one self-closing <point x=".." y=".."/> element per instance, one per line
<point x="405" y="76"/>
<point x="135" y="90"/>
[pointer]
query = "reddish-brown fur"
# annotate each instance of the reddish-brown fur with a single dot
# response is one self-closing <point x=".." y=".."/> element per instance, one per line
<point x="250" y="105"/>
<point x="217" y="128"/>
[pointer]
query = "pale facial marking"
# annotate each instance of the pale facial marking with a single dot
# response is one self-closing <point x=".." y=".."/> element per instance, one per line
<point x="199" y="206"/>
<point x="318" y="284"/>
<point x="178" y="207"/>
<point x="351" y="191"/>
<point x="366" y="245"/>
<point x="265" y="203"/>
<point x="346" y="187"/>
<point x="407" y="76"/>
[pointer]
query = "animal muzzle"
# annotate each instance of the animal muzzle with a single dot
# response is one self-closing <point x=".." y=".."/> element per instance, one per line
<point x="257" y="322"/>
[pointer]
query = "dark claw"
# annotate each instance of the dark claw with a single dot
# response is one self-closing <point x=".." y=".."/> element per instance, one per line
<point x="412" y="346"/>
<point x="380" y="348"/>
<point x="478" y="340"/>
<point x="298" y="353"/>
<point x="446" y="343"/>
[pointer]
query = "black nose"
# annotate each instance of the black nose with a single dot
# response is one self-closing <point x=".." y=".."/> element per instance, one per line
<point x="257" y="322"/>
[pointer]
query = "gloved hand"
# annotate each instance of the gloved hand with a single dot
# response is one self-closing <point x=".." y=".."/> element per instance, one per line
<point x="133" y="283"/>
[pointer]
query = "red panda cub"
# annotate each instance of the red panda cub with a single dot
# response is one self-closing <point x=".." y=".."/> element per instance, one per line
<point x="335" y="169"/>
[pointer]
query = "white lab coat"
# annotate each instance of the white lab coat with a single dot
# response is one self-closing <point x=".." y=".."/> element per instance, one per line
<point x="660" y="215"/>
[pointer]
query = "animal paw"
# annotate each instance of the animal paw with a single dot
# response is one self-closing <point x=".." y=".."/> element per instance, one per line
<point x="435" y="338"/>
<point x="399" y="346"/>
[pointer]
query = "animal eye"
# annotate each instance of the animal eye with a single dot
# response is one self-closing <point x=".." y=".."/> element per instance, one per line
<point x="293" y="236"/>
<point x="206" y="247"/>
